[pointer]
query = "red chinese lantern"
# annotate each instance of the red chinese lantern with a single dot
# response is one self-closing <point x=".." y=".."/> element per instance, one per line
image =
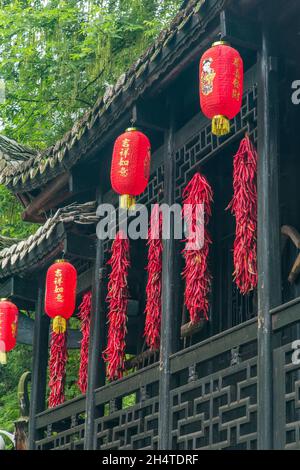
<point x="221" y="85"/>
<point x="8" y="328"/>
<point x="60" y="295"/>
<point x="60" y="299"/>
<point x="130" y="167"/>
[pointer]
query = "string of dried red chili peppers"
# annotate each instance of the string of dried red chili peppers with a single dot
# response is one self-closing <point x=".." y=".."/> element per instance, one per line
<point x="117" y="298"/>
<point x="153" y="289"/>
<point x="197" y="199"/>
<point x="57" y="368"/>
<point x="244" y="208"/>
<point x="85" y="318"/>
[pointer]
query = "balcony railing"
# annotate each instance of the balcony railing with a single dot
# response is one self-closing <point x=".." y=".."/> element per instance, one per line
<point x="213" y="400"/>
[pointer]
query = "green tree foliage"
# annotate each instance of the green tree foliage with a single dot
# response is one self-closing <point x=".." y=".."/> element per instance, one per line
<point x="57" y="57"/>
<point x="11" y="224"/>
<point x="19" y="360"/>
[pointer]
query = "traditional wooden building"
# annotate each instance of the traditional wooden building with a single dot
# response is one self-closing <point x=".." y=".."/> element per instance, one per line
<point x="230" y="383"/>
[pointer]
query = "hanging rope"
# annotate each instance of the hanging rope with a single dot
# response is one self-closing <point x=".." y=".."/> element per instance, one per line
<point x="153" y="289"/>
<point x="197" y="197"/>
<point x="57" y="368"/>
<point x="117" y="299"/>
<point x="85" y="318"/>
<point x="244" y="208"/>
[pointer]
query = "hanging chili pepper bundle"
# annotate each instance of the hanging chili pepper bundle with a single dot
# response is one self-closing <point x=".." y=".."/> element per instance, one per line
<point x="197" y="199"/>
<point x="57" y="367"/>
<point x="60" y="298"/>
<point x="85" y="318"/>
<point x="153" y="289"/>
<point x="244" y="208"/>
<point x="117" y="298"/>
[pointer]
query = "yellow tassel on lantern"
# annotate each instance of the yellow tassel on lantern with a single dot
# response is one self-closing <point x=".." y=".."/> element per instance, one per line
<point x="127" y="202"/>
<point x="3" y="358"/>
<point x="220" y="125"/>
<point x="59" y="325"/>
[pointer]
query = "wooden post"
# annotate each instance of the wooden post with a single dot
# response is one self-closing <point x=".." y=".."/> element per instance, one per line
<point x="96" y="368"/>
<point x="168" y="327"/>
<point x="40" y="363"/>
<point x="269" y="284"/>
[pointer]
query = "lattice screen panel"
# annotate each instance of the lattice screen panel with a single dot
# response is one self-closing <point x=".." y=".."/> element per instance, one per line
<point x="218" y="411"/>
<point x="63" y="434"/>
<point x="130" y="421"/>
<point x="286" y="399"/>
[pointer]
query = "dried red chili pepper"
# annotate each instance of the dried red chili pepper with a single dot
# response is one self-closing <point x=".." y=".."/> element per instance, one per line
<point x="57" y="368"/>
<point x="85" y="318"/>
<point x="244" y="208"/>
<point x="117" y="299"/>
<point x="196" y="272"/>
<point x="153" y="289"/>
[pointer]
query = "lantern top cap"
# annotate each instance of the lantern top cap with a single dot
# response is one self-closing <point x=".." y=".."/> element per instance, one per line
<point x="61" y="261"/>
<point x="131" y="129"/>
<point x="4" y="299"/>
<point x="220" y="43"/>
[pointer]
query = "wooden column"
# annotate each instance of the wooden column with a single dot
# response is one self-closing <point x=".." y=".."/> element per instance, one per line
<point x="96" y="368"/>
<point x="168" y="329"/>
<point x="40" y="363"/>
<point x="269" y="264"/>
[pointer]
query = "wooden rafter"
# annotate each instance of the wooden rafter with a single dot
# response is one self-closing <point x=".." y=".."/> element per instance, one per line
<point x="52" y="195"/>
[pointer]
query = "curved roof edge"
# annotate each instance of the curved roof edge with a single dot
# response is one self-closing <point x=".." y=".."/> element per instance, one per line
<point x="46" y="242"/>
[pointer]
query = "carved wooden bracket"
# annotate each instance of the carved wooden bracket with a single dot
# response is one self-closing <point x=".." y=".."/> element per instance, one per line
<point x="289" y="232"/>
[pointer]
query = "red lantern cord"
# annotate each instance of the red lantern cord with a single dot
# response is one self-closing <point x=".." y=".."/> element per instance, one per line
<point x="196" y="272"/>
<point x="85" y="318"/>
<point x="117" y="298"/>
<point x="57" y="368"/>
<point x="153" y="290"/>
<point x="244" y="207"/>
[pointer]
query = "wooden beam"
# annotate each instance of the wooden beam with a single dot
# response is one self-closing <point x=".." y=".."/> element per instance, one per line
<point x="26" y="327"/>
<point x="269" y="258"/>
<point x="79" y="246"/>
<point x="22" y="291"/>
<point x="48" y="198"/>
<point x="150" y="116"/>
<point x="83" y="178"/>
<point x="190" y="329"/>
<point x="140" y="359"/>
<point x="84" y="282"/>
<point x="239" y="30"/>
<point x="23" y="199"/>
